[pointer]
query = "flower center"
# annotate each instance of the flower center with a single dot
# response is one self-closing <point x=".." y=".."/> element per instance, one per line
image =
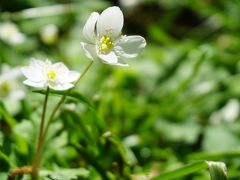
<point x="51" y="74"/>
<point x="105" y="44"/>
<point x="4" y="89"/>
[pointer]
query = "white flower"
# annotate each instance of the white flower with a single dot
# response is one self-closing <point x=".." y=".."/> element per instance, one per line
<point x="9" y="86"/>
<point x="11" y="90"/>
<point x="10" y="33"/>
<point x="105" y="41"/>
<point x="42" y="74"/>
<point x="49" y="34"/>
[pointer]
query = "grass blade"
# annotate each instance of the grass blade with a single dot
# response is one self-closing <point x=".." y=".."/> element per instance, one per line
<point x="217" y="170"/>
<point x="73" y="94"/>
<point x="183" y="171"/>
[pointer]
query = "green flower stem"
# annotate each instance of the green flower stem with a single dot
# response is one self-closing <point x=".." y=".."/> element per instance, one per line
<point x="84" y="72"/>
<point x="36" y="159"/>
<point x="62" y="100"/>
<point x="44" y="133"/>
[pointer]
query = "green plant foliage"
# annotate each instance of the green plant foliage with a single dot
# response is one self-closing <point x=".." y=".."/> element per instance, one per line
<point x="172" y="114"/>
<point x="217" y="170"/>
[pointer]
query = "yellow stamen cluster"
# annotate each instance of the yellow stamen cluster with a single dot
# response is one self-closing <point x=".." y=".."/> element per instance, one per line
<point x="105" y="44"/>
<point x="51" y="74"/>
<point x="4" y="89"/>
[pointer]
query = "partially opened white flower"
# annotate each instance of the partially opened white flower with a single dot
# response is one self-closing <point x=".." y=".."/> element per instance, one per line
<point x="42" y="74"/>
<point x="105" y="40"/>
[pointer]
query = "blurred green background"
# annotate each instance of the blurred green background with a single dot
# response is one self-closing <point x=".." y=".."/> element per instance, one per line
<point x="177" y="103"/>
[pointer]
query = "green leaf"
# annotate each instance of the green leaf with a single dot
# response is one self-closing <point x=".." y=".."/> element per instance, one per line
<point x="83" y="126"/>
<point x="73" y="94"/>
<point x="183" y="171"/>
<point x="80" y="98"/>
<point x="213" y="133"/>
<point x="125" y="152"/>
<point x="56" y="140"/>
<point x="7" y="159"/>
<point x="92" y="160"/>
<point x="119" y="147"/>
<point x="215" y="154"/>
<point x="54" y="146"/>
<point x="65" y="174"/>
<point x="24" y="133"/>
<point x="1" y="139"/>
<point x="217" y="170"/>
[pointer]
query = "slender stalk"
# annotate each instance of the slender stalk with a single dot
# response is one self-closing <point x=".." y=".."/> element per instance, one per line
<point x="53" y="114"/>
<point x="44" y="132"/>
<point x="62" y="100"/>
<point x="84" y="72"/>
<point x="36" y="159"/>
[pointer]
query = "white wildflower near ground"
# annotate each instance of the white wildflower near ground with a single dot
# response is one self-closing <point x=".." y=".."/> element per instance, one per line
<point x="105" y="40"/>
<point x="11" y="90"/>
<point x="9" y="85"/>
<point x="42" y="74"/>
<point x="10" y="33"/>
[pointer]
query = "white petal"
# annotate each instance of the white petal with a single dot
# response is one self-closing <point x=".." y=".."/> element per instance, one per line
<point x="33" y="73"/>
<point x="72" y="76"/>
<point x="17" y="38"/>
<point x="130" y="46"/>
<point x="89" y="27"/>
<point x="34" y="84"/>
<point x="61" y="87"/>
<point x="37" y="63"/>
<point x="17" y="94"/>
<point x="121" y="63"/>
<point x="109" y="58"/>
<point x="35" y="70"/>
<point x="63" y="73"/>
<point x="61" y="69"/>
<point x="9" y="74"/>
<point x="89" y="50"/>
<point x="110" y="22"/>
